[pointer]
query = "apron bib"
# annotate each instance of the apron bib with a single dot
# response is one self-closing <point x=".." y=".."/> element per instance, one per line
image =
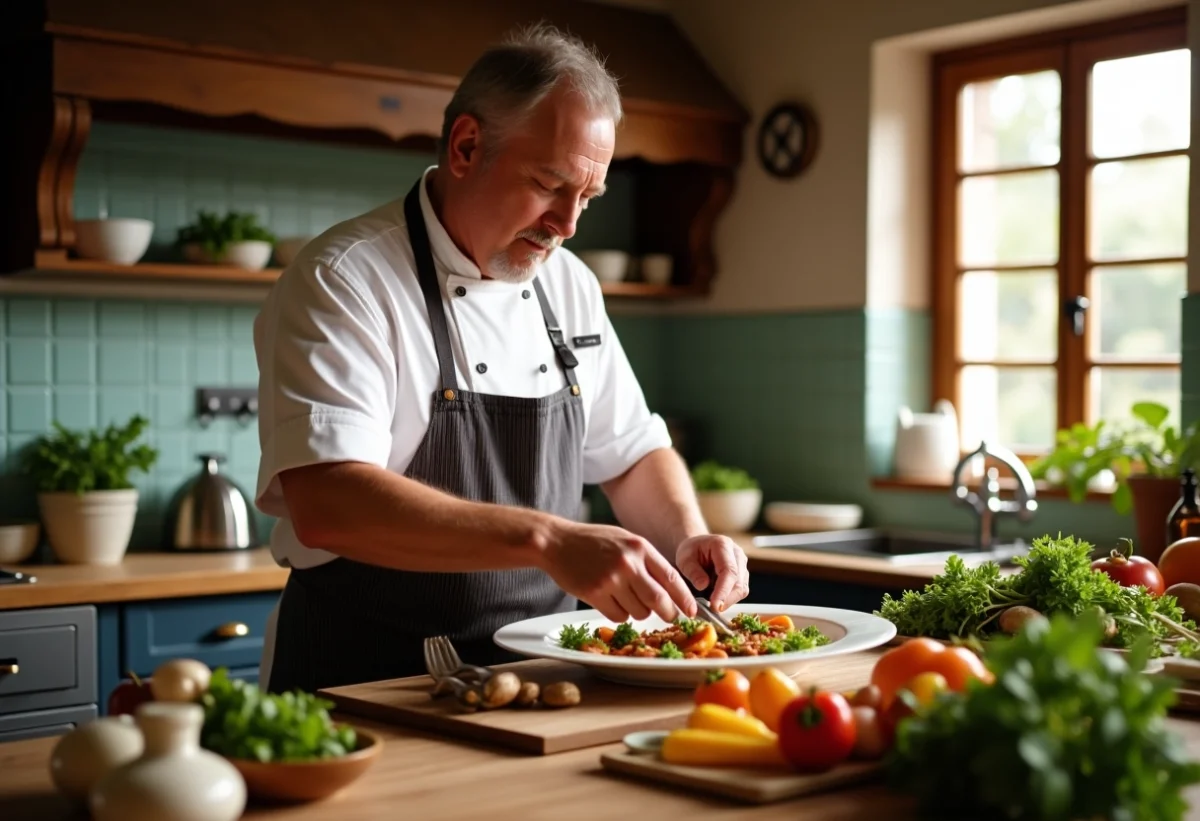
<point x="347" y="622"/>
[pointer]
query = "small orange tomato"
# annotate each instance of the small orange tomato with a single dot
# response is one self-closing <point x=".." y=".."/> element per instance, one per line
<point x="959" y="665"/>
<point x="605" y="634"/>
<point x="782" y="622"/>
<point x="701" y="641"/>
<point x="729" y="688"/>
<point x="770" y="692"/>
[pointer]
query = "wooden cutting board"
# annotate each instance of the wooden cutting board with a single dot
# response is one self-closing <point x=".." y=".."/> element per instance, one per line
<point x="605" y="714"/>
<point x="752" y="786"/>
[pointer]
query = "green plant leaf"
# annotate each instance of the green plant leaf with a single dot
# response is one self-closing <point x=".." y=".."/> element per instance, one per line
<point x="1152" y="413"/>
<point x="711" y="475"/>
<point x="70" y="461"/>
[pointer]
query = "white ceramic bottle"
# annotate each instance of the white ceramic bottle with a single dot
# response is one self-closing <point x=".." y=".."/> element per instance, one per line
<point x="174" y="778"/>
<point x="89" y="752"/>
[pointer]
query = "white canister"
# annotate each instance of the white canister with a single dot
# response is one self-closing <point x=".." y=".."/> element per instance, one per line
<point x="927" y="447"/>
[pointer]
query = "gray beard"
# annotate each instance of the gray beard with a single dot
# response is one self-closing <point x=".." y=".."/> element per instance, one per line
<point x="502" y="268"/>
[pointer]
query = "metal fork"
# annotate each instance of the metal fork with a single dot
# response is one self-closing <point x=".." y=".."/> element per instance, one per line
<point x="719" y="622"/>
<point x="447" y="669"/>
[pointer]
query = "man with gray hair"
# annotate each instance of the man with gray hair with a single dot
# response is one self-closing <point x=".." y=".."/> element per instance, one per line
<point x="438" y="382"/>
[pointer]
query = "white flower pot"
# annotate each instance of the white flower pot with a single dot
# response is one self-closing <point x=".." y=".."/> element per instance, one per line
<point x="253" y="255"/>
<point x="730" y="511"/>
<point x="89" y="528"/>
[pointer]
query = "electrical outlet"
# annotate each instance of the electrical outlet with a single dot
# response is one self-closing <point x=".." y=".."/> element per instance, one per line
<point x="238" y="402"/>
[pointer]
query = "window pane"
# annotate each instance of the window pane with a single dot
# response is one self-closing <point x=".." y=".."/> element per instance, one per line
<point x="1010" y="122"/>
<point x="1114" y="390"/>
<point x="1009" y="220"/>
<point x="1139" y="209"/>
<point x="1010" y="315"/>
<point x="1015" y="407"/>
<point x="1141" y="104"/>
<point x="1136" y="310"/>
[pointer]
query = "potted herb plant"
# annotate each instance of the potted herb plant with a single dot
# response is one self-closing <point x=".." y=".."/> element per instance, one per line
<point x="87" y="502"/>
<point x="729" y="497"/>
<point x="1146" y="458"/>
<point x="234" y="239"/>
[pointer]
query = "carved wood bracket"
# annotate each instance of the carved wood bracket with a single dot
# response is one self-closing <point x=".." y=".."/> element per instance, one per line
<point x="71" y="122"/>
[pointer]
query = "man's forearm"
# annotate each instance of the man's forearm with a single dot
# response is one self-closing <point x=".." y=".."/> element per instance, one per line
<point x="655" y="499"/>
<point x="374" y="516"/>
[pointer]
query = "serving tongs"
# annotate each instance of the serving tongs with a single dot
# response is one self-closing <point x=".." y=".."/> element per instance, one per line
<point x="722" y="625"/>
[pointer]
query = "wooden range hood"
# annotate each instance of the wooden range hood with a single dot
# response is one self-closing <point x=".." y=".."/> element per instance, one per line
<point x="360" y="71"/>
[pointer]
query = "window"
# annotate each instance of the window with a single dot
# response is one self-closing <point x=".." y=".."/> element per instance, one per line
<point x="1061" y="228"/>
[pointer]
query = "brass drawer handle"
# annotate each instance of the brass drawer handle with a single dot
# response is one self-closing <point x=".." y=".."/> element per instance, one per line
<point x="9" y="668"/>
<point x="232" y="630"/>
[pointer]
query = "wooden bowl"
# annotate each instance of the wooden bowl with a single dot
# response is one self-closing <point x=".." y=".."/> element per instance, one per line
<point x="309" y="780"/>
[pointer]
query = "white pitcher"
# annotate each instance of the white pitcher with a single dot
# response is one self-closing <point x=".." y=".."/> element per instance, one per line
<point x="927" y="447"/>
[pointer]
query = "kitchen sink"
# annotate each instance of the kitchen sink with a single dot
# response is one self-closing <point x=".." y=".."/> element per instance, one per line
<point x="898" y="547"/>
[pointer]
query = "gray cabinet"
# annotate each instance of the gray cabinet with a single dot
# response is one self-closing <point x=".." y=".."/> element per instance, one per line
<point x="40" y="723"/>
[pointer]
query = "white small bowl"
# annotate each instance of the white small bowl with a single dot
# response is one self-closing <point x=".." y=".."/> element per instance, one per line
<point x="608" y="266"/>
<point x="729" y="511"/>
<point x="811" y="517"/>
<point x="18" y="540"/>
<point x="657" y="269"/>
<point x="288" y="247"/>
<point x="253" y="255"/>
<point x="122" y="240"/>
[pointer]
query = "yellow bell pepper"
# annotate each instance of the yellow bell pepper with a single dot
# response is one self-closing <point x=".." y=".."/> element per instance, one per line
<point x="714" y="748"/>
<point x="722" y="719"/>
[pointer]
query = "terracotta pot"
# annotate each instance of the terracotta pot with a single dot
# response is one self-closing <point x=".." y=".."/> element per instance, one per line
<point x="1153" y="498"/>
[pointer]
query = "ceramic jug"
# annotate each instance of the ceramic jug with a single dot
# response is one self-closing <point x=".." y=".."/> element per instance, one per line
<point x="175" y="777"/>
<point x="927" y="447"/>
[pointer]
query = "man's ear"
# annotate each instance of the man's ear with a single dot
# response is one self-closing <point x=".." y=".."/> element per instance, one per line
<point x="463" y="149"/>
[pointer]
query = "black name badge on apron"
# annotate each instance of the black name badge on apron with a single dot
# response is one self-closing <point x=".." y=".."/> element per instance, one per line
<point x="347" y="622"/>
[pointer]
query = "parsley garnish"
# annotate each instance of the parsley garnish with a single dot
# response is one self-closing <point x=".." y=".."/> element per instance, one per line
<point x="624" y="634"/>
<point x="805" y="639"/>
<point x="1056" y="577"/>
<point x="688" y="626"/>
<point x="773" y="645"/>
<point x="750" y="623"/>
<point x="669" y="651"/>
<point x="573" y="637"/>
<point x="1067" y="731"/>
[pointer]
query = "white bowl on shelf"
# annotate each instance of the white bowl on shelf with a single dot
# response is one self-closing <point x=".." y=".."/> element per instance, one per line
<point x="18" y="540"/>
<point x="657" y="269"/>
<point x="120" y="240"/>
<point x="608" y="266"/>
<point x="251" y="254"/>
<point x="811" y="517"/>
<point x="729" y="511"/>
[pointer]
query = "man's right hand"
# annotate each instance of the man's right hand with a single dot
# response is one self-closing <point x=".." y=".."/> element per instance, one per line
<point x="617" y="572"/>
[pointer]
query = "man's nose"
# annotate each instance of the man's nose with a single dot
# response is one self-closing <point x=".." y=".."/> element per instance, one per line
<point x="563" y="220"/>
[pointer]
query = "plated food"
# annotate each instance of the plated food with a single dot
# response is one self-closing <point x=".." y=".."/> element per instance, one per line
<point x="684" y="638"/>
<point x="830" y="632"/>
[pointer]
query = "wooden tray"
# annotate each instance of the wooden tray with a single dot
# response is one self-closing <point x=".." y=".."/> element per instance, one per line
<point x="605" y="714"/>
<point x="751" y="786"/>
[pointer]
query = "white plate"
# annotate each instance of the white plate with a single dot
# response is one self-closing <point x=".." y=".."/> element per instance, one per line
<point x="849" y="630"/>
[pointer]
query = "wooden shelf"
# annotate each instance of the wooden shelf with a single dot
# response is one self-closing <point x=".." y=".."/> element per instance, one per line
<point x="1007" y="485"/>
<point x="649" y="291"/>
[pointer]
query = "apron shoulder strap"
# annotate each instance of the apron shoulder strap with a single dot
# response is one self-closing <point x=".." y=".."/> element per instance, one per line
<point x="565" y="355"/>
<point x="428" y="279"/>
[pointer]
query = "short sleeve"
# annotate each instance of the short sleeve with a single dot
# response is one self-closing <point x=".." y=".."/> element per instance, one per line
<point x="622" y="429"/>
<point x="327" y="378"/>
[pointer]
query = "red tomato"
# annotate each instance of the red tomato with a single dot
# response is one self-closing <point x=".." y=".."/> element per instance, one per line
<point x="728" y="688"/>
<point x="817" y="731"/>
<point x="1130" y="571"/>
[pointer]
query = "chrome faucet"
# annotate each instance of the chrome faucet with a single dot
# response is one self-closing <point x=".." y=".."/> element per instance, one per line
<point x="986" y="503"/>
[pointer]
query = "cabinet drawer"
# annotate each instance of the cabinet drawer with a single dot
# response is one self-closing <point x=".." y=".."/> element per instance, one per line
<point x="54" y="651"/>
<point x="44" y="722"/>
<point x="206" y="629"/>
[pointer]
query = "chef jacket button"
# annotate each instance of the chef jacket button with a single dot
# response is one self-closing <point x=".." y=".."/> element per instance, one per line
<point x="482" y="368"/>
<point x="525" y="295"/>
<point x="542" y="368"/>
<point x="460" y="290"/>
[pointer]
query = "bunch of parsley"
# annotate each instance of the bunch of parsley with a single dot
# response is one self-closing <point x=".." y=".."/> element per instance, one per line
<point x="1055" y="577"/>
<point x="1067" y="731"/>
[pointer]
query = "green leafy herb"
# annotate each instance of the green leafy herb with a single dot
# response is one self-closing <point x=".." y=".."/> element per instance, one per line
<point x="67" y="461"/>
<point x="572" y="637"/>
<point x="710" y="476"/>
<point x="214" y="234"/>
<point x="688" y="626"/>
<point x="1068" y="731"/>
<point x="805" y="639"/>
<point x="241" y="721"/>
<point x="750" y="623"/>
<point x="623" y="634"/>
<point x="669" y="651"/>
<point x="1056" y="577"/>
<point x="1188" y="649"/>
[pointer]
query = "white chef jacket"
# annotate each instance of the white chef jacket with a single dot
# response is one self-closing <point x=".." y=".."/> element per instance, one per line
<point x="347" y="366"/>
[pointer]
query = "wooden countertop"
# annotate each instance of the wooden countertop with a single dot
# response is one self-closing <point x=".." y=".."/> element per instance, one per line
<point x="426" y="775"/>
<point x="146" y="576"/>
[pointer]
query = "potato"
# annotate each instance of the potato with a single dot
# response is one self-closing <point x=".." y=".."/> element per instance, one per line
<point x="528" y="694"/>
<point x="1014" y="618"/>
<point x="1188" y="597"/>
<point x="870" y="737"/>
<point x="180" y="680"/>
<point x="561" y="694"/>
<point x="500" y="689"/>
<point x="869" y="696"/>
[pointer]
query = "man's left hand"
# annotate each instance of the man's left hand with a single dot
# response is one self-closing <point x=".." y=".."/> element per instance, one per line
<point x="701" y="557"/>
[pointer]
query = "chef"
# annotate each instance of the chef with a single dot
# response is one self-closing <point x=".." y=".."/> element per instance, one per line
<point x="438" y="381"/>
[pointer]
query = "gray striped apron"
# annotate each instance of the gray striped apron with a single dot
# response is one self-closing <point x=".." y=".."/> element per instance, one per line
<point x="347" y="622"/>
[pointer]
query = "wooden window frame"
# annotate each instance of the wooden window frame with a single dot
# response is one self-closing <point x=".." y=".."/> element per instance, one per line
<point x="1071" y="52"/>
